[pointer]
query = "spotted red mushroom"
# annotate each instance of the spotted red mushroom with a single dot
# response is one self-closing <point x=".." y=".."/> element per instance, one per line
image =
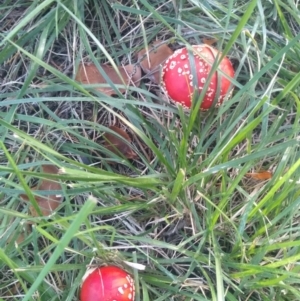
<point x="109" y="283"/>
<point x="177" y="76"/>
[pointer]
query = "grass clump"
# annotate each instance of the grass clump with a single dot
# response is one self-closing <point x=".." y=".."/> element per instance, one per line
<point x="190" y="207"/>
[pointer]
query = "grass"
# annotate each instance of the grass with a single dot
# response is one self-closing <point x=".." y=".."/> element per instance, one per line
<point x="186" y="209"/>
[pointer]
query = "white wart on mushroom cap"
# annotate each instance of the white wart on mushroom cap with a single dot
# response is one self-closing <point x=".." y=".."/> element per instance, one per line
<point x="177" y="77"/>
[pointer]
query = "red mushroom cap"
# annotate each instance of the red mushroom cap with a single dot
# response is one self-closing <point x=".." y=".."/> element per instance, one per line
<point x="177" y="76"/>
<point x="108" y="283"/>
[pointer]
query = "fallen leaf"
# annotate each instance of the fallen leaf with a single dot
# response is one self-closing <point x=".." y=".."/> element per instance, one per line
<point x="262" y="175"/>
<point x="89" y="74"/>
<point x="209" y="41"/>
<point x="117" y="145"/>
<point x="151" y="60"/>
<point x="13" y="289"/>
<point x="47" y="203"/>
<point x="22" y="235"/>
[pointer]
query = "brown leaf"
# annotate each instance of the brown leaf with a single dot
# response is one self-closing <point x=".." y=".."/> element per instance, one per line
<point x="134" y="72"/>
<point x="209" y="41"/>
<point x="47" y="203"/>
<point x="151" y="60"/>
<point x="14" y="288"/>
<point x="262" y="175"/>
<point x="89" y="74"/>
<point x="117" y="145"/>
<point x="25" y="231"/>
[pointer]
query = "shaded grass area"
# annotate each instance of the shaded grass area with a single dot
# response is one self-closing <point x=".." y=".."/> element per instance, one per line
<point x="185" y="208"/>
